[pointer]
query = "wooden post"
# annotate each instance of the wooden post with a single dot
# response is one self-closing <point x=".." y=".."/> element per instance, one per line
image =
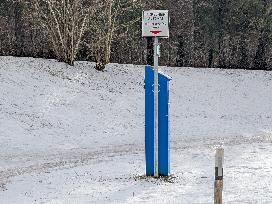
<point x="218" y="184"/>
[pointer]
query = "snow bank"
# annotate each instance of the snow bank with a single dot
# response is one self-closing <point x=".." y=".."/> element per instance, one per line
<point x="76" y="135"/>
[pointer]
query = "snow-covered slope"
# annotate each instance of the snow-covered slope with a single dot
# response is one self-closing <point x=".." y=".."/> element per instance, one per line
<point x="76" y="135"/>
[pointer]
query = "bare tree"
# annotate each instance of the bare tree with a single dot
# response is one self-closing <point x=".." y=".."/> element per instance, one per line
<point x="66" y="22"/>
<point x="111" y="22"/>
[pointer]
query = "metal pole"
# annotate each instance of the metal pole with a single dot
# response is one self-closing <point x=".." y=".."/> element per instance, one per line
<point x="156" y="65"/>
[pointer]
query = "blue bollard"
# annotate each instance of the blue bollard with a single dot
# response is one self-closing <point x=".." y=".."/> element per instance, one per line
<point x="163" y="132"/>
<point x="149" y="121"/>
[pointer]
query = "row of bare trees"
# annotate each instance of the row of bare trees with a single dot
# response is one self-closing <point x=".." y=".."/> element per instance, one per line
<point x="67" y="21"/>
<point x="204" y="33"/>
<point x="67" y="29"/>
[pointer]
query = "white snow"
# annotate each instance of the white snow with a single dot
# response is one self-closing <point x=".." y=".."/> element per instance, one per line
<point x="76" y="135"/>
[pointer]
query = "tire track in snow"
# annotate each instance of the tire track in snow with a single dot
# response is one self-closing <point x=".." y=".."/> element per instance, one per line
<point x="80" y="157"/>
<point x="220" y="141"/>
<point x="68" y="160"/>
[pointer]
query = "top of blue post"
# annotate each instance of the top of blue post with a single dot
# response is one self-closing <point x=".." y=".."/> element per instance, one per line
<point x="161" y="74"/>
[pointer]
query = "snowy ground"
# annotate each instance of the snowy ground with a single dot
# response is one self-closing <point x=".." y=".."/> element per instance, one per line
<point x="76" y="135"/>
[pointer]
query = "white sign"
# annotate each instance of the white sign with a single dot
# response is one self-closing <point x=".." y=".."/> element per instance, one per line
<point x="155" y="23"/>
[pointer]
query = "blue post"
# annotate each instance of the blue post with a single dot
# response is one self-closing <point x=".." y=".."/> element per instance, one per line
<point x="149" y="121"/>
<point x="163" y="140"/>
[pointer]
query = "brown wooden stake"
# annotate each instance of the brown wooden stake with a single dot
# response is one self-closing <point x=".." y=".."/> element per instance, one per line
<point x="218" y="184"/>
<point x="218" y="190"/>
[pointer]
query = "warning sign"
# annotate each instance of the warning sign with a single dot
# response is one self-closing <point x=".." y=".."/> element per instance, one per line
<point x="155" y="23"/>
